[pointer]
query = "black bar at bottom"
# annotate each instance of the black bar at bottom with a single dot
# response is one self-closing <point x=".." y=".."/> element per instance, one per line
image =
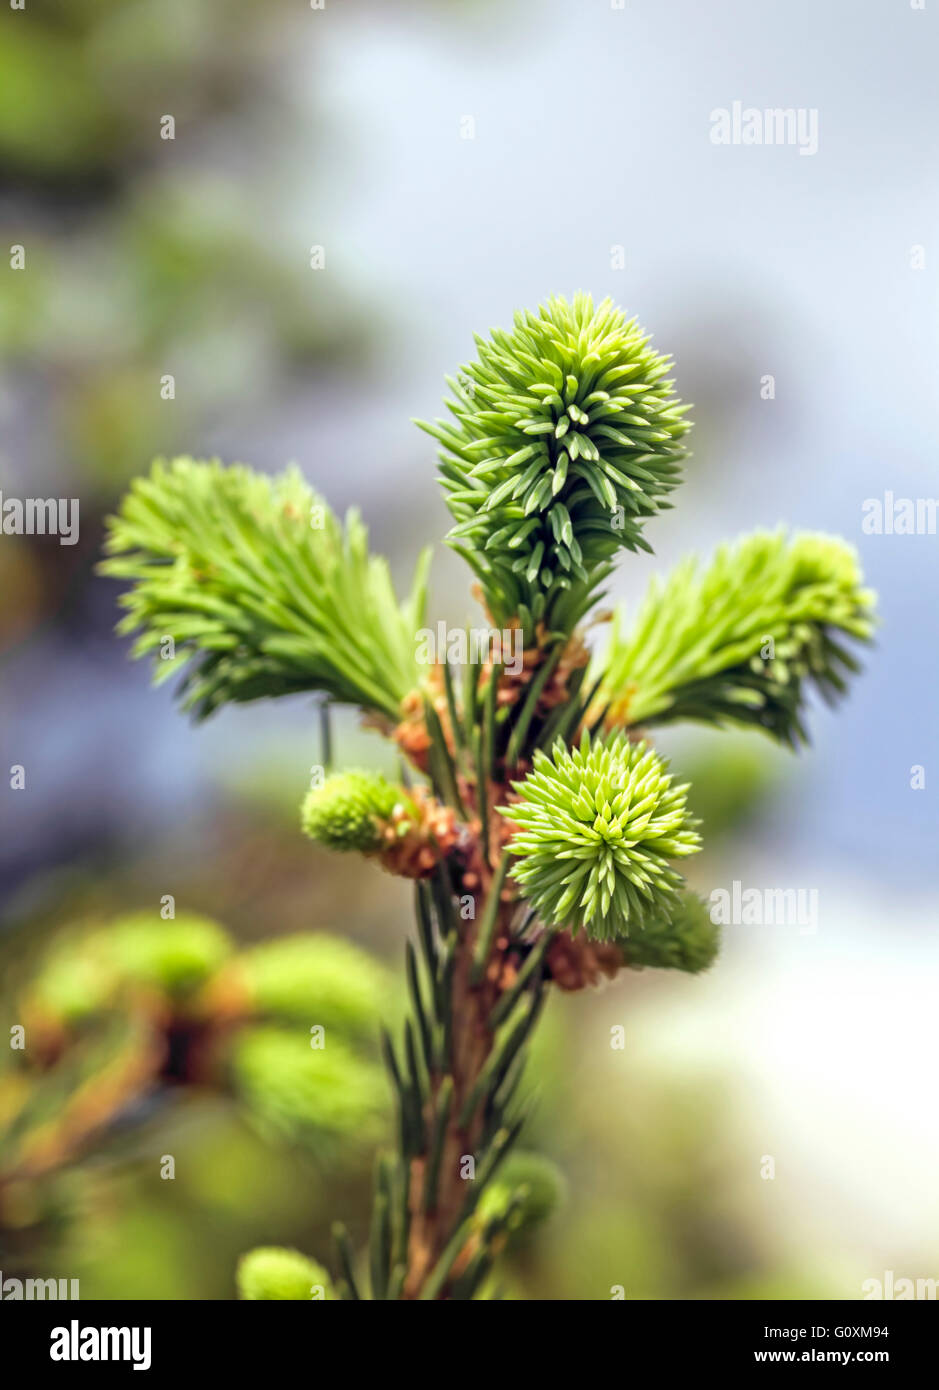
<point x="160" y="1339"/>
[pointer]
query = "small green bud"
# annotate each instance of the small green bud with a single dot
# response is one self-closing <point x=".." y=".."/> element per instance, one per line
<point x="538" y="1181"/>
<point x="348" y="811"/>
<point x="177" y="955"/>
<point x="329" y="1097"/>
<point x="73" y="984"/>
<point x="84" y="973"/>
<point x="686" y="940"/>
<point x="315" y="978"/>
<point x="272" y="1272"/>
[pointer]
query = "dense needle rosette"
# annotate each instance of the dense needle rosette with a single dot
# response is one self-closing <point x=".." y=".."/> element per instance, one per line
<point x="565" y="436"/>
<point x="597" y="827"/>
<point x="349" y="810"/>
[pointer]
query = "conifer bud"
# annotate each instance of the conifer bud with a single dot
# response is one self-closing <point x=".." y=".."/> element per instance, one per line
<point x="565" y="437"/>
<point x="272" y="1272"/>
<point x="410" y="832"/>
<point x="596" y="829"/>
<point x="350" y="810"/>
<point x="533" y="1179"/>
<point x="686" y="939"/>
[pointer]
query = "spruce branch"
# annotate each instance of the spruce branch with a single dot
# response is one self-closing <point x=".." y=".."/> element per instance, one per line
<point x="545" y="838"/>
<point x="144" y="1007"/>
<point x="741" y="641"/>
<point x="261" y="590"/>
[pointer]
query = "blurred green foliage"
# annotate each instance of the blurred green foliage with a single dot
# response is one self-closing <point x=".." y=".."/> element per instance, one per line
<point x="146" y="256"/>
<point x="319" y="979"/>
<point x="733" y="777"/>
<point x="119" y="1023"/>
<point x="82" y="78"/>
<point x="327" y="1099"/>
<point x="539" y="1182"/>
<point x="83" y="976"/>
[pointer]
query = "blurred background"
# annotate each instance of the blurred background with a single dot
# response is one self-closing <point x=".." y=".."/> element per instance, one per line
<point x="442" y="164"/>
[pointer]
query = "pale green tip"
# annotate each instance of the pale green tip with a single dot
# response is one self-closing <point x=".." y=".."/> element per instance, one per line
<point x="537" y="1184"/>
<point x="348" y="810"/>
<point x="272" y="1272"/>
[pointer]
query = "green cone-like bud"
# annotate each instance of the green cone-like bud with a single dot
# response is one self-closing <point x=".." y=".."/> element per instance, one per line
<point x="84" y="973"/>
<point x="75" y="982"/>
<point x="538" y="1181"/>
<point x="566" y="435"/>
<point x="686" y="939"/>
<point x="178" y="955"/>
<point x="597" y="827"/>
<point x="272" y="1272"/>
<point x="330" y="1098"/>
<point x="743" y="639"/>
<point x="315" y="978"/>
<point x="347" y="812"/>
